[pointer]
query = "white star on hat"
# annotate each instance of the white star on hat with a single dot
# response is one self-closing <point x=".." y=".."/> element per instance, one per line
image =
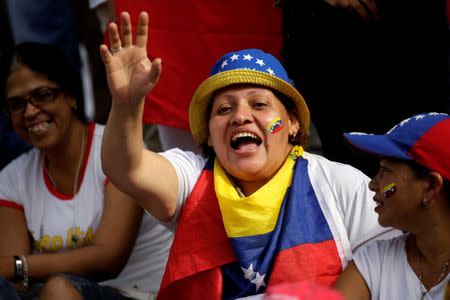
<point x="270" y="71"/>
<point x="224" y="64"/>
<point x="248" y="57"/>
<point x="260" y="62"/>
<point x="234" y="57"/>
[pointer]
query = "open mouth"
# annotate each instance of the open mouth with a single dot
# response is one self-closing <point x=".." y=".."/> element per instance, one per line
<point x="39" y="127"/>
<point x="244" y="140"/>
<point x="378" y="203"/>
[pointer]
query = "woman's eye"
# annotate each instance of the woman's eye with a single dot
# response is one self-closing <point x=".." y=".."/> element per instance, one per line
<point x="259" y="104"/>
<point x="223" y="110"/>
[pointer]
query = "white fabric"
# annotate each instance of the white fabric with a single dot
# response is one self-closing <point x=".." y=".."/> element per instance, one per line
<point x="51" y="216"/>
<point x="94" y="3"/>
<point x="342" y="192"/>
<point x="386" y="270"/>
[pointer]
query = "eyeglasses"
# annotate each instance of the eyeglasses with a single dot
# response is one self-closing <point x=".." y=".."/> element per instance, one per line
<point x="37" y="97"/>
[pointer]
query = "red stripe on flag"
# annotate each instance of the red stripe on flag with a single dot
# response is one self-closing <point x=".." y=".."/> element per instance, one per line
<point x="316" y="262"/>
<point x="196" y="255"/>
<point x="203" y="285"/>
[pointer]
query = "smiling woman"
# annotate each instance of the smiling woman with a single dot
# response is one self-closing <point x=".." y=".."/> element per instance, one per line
<point x="412" y="192"/>
<point x="256" y="210"/>
<point x="64" y="227"/>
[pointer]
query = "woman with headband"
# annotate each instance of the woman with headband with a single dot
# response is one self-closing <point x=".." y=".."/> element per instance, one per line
<point x="412" y="193"/>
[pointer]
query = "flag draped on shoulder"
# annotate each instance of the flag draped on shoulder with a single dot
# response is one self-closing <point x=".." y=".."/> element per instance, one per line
<point x="227" y="247"/>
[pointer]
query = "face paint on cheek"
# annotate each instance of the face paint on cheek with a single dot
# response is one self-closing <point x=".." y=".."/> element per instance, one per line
<point x="389" y="190"/>
<point x="275" y="126"/>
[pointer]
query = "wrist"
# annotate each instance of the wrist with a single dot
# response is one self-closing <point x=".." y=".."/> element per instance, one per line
<point x="20" y="273"/>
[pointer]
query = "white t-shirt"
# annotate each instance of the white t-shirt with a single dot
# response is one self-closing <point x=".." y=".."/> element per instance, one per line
<point x="52" y="217"/>
<point x="342" y="192"/>
<point x="386" y="270"/>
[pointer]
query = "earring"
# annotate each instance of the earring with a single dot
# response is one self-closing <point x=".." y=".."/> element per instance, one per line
<point x="292" y="137"/>
<point x="425" y="201"/>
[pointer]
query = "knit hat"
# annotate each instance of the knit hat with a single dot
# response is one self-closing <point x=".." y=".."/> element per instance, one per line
<point x="424" y="138"/>
<point x="250" y="66"/>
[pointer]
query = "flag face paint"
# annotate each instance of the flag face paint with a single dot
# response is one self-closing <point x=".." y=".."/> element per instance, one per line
<point x="275" y="126"/>
<point x="389" y="190"/>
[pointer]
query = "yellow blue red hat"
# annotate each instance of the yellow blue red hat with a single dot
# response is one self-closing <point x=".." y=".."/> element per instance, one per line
<point x="250" y="66"/>
<point x="423" y="138"/>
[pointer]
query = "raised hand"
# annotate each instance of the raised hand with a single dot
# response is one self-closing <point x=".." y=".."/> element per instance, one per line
<point x="367" y="9"/>
<point x="131" y="74"/>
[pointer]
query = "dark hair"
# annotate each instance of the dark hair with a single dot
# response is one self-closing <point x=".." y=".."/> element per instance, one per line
<point x="49" y="61"/>
<point x="301" y="138"/>
<point x="421" y="172"/>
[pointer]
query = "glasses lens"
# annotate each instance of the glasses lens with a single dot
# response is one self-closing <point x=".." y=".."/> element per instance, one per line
<point x="43" y="95"/>
<point x="16" y="103"/>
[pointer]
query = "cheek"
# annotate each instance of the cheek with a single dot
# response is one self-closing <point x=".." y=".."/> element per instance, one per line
<point x="274" y="124"/>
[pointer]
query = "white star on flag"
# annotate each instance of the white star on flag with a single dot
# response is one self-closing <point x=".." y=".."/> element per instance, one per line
<point x="248" y="57"/>
<point x="259" y="280"/>
<point x="260" y="62"/>
<point x="234" y="57"/>
<point x="404" y="122"/>
<point x="249" y="273"/>
<point x="270" y="71"/>
<point x="224" y="64"/>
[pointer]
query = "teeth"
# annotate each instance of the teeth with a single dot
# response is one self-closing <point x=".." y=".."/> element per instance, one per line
<point x="38" y="128"/>
<point x="244" y="134"/>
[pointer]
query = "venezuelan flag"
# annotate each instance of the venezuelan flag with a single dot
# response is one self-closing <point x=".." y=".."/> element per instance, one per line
<point x="225" y="251"/>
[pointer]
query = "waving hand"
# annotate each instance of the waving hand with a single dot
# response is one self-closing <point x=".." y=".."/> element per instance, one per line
<point x="131" y="74"/>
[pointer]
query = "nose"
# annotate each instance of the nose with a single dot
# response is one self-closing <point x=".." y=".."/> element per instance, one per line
<point x="373" y="185"/>
<point x="30" y="110"/>
<point x="242" y="114"/>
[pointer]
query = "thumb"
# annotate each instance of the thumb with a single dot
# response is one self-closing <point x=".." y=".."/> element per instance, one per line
<point x="155" y="71"/>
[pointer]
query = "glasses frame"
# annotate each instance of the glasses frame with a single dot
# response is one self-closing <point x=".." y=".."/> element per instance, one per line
<point x="31" y="97"/>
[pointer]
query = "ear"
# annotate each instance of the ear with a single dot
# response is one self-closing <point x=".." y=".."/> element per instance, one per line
<point x="209" y="141"/>
<point x="435" y="184"/>
<point x="294" y="125"/>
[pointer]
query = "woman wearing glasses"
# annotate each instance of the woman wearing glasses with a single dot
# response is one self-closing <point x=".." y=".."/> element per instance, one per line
<point x="63" y="226"/>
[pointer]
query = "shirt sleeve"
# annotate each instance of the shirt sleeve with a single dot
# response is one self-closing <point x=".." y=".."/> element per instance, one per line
<point x="9" y="182"/>
<point x="369" y="262"/>
<point x="188" y="167"/>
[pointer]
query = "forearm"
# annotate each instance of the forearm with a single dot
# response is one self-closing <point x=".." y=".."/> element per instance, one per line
<point x="122" y="144"/>
<point x="92" y="262"/>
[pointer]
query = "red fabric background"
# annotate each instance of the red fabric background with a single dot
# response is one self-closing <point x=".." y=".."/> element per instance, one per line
<point x="189" y="36"/>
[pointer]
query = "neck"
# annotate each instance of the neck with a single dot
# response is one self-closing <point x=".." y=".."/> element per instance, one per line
<point x="435" y="245"/>
<point x="248" y="187"/>
<point x="64" y="162"/>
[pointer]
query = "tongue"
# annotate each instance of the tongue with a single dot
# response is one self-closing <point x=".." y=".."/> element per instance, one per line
<point x="247" y="146"/>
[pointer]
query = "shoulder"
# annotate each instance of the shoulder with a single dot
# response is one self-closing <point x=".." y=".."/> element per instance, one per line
<point x="382" y="249"/>
<point x="23" y="163"/>
<point x="341" y="180"/>
<point x="184" y="159"/>
<point x="334" y="171"/>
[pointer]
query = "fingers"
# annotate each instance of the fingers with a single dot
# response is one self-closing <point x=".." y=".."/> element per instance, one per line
<point x="105" y="54"/>
<point x="371" y="7"/>
<point x="126" y="32"/>
<point x="142" y="30"/>
<point x="360" y="9"/>
<point x="114" y="38"/>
